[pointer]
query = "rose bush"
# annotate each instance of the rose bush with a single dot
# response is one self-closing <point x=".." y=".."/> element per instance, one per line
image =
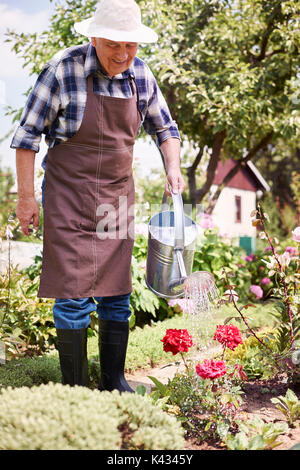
<point x="201" y="398"/>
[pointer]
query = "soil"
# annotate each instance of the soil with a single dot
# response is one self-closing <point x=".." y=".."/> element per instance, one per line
<point x="256" y="401"/>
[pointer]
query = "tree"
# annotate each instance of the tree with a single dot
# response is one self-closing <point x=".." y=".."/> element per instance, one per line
<point x="228" y="68"/>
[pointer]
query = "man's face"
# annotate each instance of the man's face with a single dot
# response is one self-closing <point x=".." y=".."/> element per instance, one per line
<point x="115" y="57"/>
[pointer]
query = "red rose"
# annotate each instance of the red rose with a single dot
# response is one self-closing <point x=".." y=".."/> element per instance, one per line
<point x="211" y="369"/>
<point x="176" y="341"/>
<point x="228" y="335"/>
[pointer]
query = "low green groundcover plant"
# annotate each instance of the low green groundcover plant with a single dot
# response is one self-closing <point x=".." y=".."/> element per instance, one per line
<point x="30" y="371"/>
<point x="58" y="417"/>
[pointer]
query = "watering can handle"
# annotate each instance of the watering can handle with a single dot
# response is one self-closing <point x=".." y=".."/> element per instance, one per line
<point x="178" y="219"/>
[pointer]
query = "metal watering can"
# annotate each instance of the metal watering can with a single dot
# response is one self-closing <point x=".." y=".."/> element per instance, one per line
<point x="171" y="246"/>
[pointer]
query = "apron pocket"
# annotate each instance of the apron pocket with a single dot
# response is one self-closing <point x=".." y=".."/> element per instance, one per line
<point x="104" y="208"/>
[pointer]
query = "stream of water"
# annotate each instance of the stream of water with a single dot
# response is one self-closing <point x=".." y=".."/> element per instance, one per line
<point x="201" y="299"/>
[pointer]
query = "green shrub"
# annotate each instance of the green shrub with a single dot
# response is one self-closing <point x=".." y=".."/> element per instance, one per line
<point x="143" y="302"/>
<point x="256" y="360"/>
<point x="215" y="252"/>
<point x="58" y="417"/>
<point x="27" y="372"/>
<point x="26" y="321"/>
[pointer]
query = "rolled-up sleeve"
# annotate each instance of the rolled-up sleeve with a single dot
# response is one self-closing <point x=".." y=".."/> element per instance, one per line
<point x="40" y="111"/>
<point x="158" y="120"/>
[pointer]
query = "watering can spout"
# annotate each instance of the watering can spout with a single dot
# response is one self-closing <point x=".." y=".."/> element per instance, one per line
<point x="176" y="285"/>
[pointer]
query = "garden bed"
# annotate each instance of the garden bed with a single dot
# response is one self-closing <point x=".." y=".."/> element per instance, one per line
<point x="257" y="402"/>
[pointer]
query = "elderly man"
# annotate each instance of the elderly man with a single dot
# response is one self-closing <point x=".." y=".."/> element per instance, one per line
<point x="90" y="102"/>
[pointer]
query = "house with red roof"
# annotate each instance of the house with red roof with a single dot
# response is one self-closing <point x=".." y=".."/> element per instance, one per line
<point x="237" y="200"/>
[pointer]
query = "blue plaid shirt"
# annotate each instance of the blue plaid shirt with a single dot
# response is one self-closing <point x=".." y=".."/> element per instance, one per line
<point x="56" y="104"/>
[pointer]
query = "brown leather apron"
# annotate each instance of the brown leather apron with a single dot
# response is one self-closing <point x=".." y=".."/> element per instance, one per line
<point x="84" y="176"/>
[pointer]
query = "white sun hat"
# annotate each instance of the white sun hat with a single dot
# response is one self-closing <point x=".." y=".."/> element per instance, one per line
<point x="117" y="20"/>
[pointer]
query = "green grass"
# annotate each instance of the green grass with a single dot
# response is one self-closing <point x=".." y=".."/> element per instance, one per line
<point x="145" y="348"/>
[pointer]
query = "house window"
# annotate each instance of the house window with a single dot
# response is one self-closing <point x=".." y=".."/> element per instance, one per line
<point x="238" y="209"/>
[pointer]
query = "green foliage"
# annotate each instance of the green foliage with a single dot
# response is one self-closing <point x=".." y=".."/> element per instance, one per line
<point x="269" y="206"/>
<point x="141" y="299"/>
<point x="36" y="50"/>
<point x="58" y="417"/>
<point x="285" y="269"/>
<point x="256" y="435"/>
<point x="151" y="190"/>
<point x="279" y="164"/>
<point x="255" y="359"/>
<point x="229" y="66"/>
<point x="289" y="405"/>
<point x="26" y="322"/>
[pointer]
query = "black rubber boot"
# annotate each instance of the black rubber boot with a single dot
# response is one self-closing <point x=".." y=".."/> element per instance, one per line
<point x="113" y="339"/>
<point x="72" y="349"/>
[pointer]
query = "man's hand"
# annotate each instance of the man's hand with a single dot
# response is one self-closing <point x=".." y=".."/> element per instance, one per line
<point x="27" y="211"/>
<point x="175" y="182"/>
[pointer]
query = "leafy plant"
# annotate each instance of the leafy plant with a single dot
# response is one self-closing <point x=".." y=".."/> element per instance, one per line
<point x="205" y="411"/>
<point x="256" y="361"/>
<point x="141" y="299"/>
<point x="289" y="405"/>
<point x="256" y="435"/>
<point x="26" y="322"/>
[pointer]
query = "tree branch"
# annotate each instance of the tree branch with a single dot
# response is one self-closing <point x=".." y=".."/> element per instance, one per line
<point x="198" y="195"/>
<point x="266" y="36"/>
<point x="191" y="174"/>
<point x="276" y="51"/>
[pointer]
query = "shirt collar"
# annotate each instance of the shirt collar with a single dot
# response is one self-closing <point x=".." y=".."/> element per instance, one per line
<point x="92" y="65"/>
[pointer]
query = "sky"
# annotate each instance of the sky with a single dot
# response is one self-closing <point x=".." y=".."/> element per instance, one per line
<point x="33" y="16"/>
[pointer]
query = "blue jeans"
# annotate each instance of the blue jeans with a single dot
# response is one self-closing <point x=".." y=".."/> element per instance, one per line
<point x="75" y="313"/>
